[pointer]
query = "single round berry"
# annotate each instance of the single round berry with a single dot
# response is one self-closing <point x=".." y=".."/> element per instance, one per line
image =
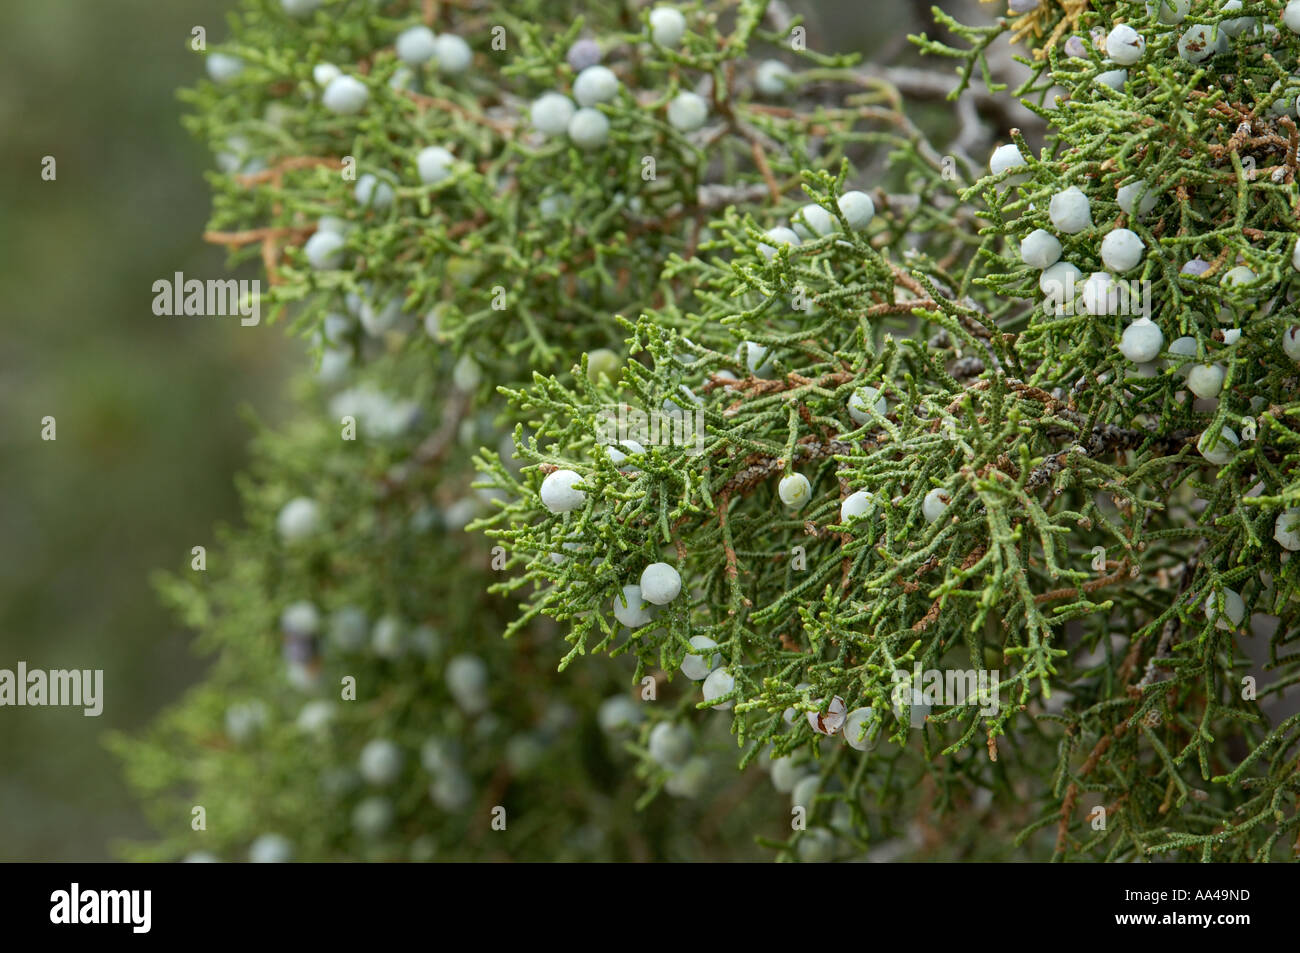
<point x="315" y="717"/>
<point x="603" y="363"/>
<point x="1141" y="341"/>
<point x="855" y="505"/>
<point x="551" y="113"/>
<point x="618" y="456"/>
<point x="786" y="774"/>
<point x="388" y="638"/>
<point x="773" y="78"/>
<point x="1239" y="278"/>
<point x="1040" y="249"/>
<point x="345" y="96"/>
<point x="719" y="683"/>
<point x="324" y="250"/>
<point x="794" y="490"/>
<point x="690" y="780"/>
<point x="1184" y="347"/>
<point x="1125" y="45"/>
<point x="223" y="67"/>
<point x="617" y="713"/>
<point x="244" y="720"/>
<point x="583" y="53"/>
<point x="670" y="744"/>
<point x="1286" y="529"/>
<point x="433" y="163"/>
<point x="1291" y="16"/>
<point x="660" y="583"/>
<point x="372" y="816"/>
<point x="298" y="519"/>
<point x="451" y="791"/>
<point x="1224" y="447"/>
<point x="1194" y="267"/>
<point x="813" y="221"/>
<point x="1070" y="211"/>
<point x="1127" y="197"/>
<point x="863" y="401"/>
<point x="1121" y="250"/>
<point x="373" y="192"/>
<point x="667" y="26"/>
<point x="697" y="667"/>
<point x="589" y="129"/>
<point x="632" y="609"/>
<point x="467" y="680"/>
<point x="1113" y="79"/>
<point x="777" y="237"/>
<point x="1101" y="294"/>
<point x="560" y="493"/>
<point x="595" y="84"/>
<point x="348" y="628"/>
<point x="857" y="208"/>
<point x="416" y="45"/>
<point x="380" y="762"/>
<point x="1291" y="342"/>
<point x="1205" y="380"/>
<point x="1006" y="157"/>
<point x="935" y="504"/>
<point x="1238" y="25"/>
<point x="271" y="848"/>
<point x="300" y="619"/>
<point x="1061" y="281"/>
<point x="1201" y="42"/>
<point x="1234" y="610"/>
<point x="1171" y="11"/>
<point x="688" y="112"/>
<point x="299" y="8"/>
<point x="453" y="54"/>
<point x="855" y="729"/>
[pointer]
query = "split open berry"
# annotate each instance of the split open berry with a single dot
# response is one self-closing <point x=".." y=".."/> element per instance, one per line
<point x="1291" y="342"/>
<point x="829" y="721"/>
<point x="935" y="504"/>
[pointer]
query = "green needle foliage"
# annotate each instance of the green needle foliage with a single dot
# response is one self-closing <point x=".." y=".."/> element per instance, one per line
<point x="997" y="606"/>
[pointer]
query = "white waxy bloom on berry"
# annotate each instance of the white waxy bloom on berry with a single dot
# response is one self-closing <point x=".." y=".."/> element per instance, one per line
<point x="378" y="318"/>
<point x="433" y="163"/>
<point x="697" y="667"/>
<point x="560" y="493"/>
<point x="1171" y="11"/>
<point x="551" y="113"/>
<point x="372" y="816"/>
<point x="1286" y="529"/>
<point x="1238" y="25"/>
<point x="1121" y="250"/>
<point x="794" y="490"/>
<point x="603" y="362"/>
<point x="324" y="250"/>
<point x="388" y="638"/>
<point x="855" y="505"/>
<point x="935" y="504"/>
<point x="589" y="128"/>
<point x="1239" y="277"/>
<point x="1101" y="294"/>
<point x="670" y="744"/>
<point x="583" y="53"/>
<point x="791" y="713"/>
<point x="813" y="221"/>
<point x="315" y="717"/>
<point x="1291" y="16"/>
<point x="1006" y="157"/>
<point x="345" y="95"/>
<point x="1205" y="380"/>
<point x="857" y="208"/>
<point x="617" y="713"/>
<point x="1125" y="45"/>
<point x="380" y="762"/>
<point x="1040" y="249"/>
<point x="348" y="628"/>
<point x="1291" y="342"/>
<point x="595" y="84"/>
<point x="773" y="78"/>
<point x="1234" y="610"/>
<point x="271" y="848"/>
<point x="863" y="401"/>
<point x="667" y="26"/>
<point x="467" y="680"/>
<point x="1231" y="335"/>
<point x="299" y="8"/>
<point x="1128" y="195"/>
<point x="300" y="619"/>
<point x="223" y="67"/>
<point x="1194" y="267"/>
<point x="1295" y="256"/>
<point x="786" y="774"/>
<point x="1202" y="41"/>
<point x="660" y="583"/>
<point x="618" y="457"/>
<point x="755" y="358"/>
<point x="1141" y="341"/>
<point x="1061" y="283"/>
<point x="466" y="374"/>
<point x="855" y="729"/>
<point x="1223" y="449"/>
<point x="829" y="721"/>
<point x="453" y="53"/>
<point x="632" y="609"/>
<point x="334" y="365"/>
<point x="690" y="780"/>
<point x="1113" y="78"/>
<point x="688" y="112"/>
<point x="805" y="790"/>
<point x="451" y="790"/>
<point x="416" y="45"/>
<point x="1070" y="211"/>
<point x="373" y="192"/>
<point x="298" y="519"/>
<point x="244" y="720"/>
<point x="323" y="74"/>
<point x="777" y="237"/>
<point x="1183" y="347"/>
<point x="719" y="683"/>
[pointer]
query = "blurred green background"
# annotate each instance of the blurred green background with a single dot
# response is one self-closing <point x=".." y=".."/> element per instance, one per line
<point x="148" y="409"/>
